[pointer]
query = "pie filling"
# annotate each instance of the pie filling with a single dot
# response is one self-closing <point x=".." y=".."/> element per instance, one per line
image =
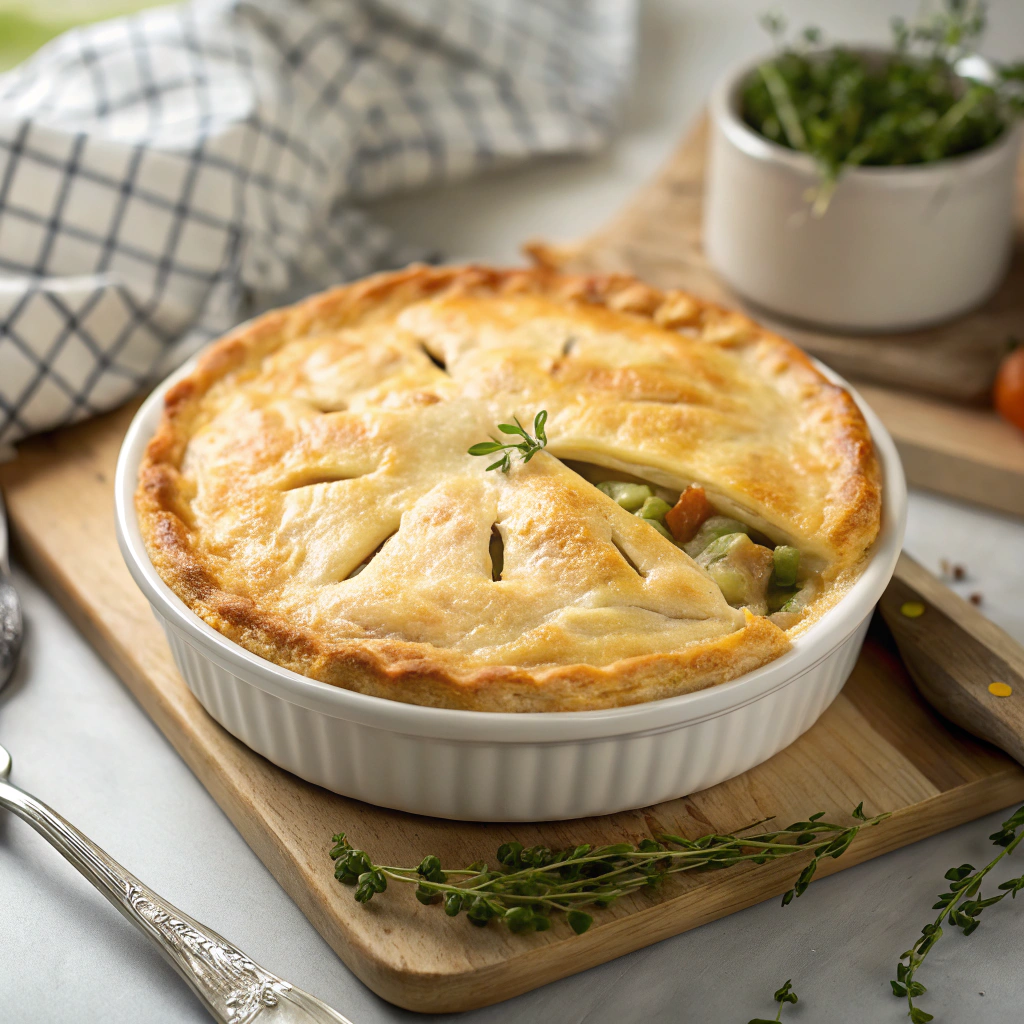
<point x="751" y="570"/>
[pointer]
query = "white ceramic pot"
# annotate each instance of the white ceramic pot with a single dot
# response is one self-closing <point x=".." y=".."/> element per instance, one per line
<point x="898" y="248"/>
<point x="486" y="766"/>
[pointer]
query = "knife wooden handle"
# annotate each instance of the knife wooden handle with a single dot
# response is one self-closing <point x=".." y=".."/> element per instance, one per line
<point x="954" y="654"/>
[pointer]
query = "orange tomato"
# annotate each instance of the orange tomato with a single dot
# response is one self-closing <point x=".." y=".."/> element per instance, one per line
<point x="1008" y="394"/>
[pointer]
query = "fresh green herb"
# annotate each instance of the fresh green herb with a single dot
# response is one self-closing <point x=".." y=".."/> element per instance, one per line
<point x="782" y="996"/>
<point x="529" y="885"/>
<point x="962" y="906"/>
<point x="527" y="448"/>
<point x="911" y="106"/>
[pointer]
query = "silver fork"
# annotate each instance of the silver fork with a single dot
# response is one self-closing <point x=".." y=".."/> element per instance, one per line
<point x="233" y="988"/>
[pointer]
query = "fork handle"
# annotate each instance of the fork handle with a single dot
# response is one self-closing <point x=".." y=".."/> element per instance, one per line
<point x="233" y="988"/>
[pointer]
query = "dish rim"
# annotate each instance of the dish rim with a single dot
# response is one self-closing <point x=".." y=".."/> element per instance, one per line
<point x="808" y="650"/>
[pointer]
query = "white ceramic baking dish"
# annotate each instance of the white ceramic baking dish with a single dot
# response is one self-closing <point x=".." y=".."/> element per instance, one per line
<point x="507" y="767"/>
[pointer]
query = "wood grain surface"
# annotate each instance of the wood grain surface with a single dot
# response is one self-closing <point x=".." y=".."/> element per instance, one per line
<point x="879" y="742"/>
<point x="962" y="450"/>
<point x="955" y="654"/>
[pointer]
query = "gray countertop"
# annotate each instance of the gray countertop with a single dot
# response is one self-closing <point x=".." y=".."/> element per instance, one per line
<point x="82" y="744"/>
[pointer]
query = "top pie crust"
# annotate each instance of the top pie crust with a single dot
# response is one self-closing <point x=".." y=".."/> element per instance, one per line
<point x="311" y="436"/>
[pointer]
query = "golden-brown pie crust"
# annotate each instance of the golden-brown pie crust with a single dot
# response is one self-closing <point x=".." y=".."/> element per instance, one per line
<point x="311" y="436"/>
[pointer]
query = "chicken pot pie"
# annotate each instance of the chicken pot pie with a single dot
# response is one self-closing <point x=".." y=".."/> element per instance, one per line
<point x="703" y="495"/>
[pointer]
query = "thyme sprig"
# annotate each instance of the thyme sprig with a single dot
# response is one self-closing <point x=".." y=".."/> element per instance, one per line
<point x="961" y="906"/>
<point x="782" y="996"/>
<point x="531" y="884"/>
<point x="527" y="448"/>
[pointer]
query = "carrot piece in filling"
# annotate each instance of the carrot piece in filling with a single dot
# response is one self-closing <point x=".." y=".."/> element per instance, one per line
<point x="685" y="518"/>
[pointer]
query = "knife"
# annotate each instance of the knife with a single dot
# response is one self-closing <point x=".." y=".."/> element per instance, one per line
<point x="966" y="667"/>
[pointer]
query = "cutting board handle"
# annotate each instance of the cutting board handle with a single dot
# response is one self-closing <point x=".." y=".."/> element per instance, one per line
<point x="955" y="655"/>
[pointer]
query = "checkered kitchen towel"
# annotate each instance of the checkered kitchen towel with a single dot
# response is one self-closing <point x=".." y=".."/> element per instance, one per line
<point x="163" y="176"/>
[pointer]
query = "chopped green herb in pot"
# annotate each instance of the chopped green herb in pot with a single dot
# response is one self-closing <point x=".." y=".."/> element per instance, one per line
<point x="531" y="884"/>
<point x="846" y="108"/>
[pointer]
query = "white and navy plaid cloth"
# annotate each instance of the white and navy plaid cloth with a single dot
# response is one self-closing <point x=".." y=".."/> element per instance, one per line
<point x="164" y="175"/>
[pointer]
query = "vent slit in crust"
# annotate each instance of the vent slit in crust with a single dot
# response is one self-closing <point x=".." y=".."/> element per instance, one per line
<point x="496" y="549"/>
<point x="369" y="558"/>
<point x="625" y="557"/>
<point x="327" y="407"/>
<point x="316" y="479"/>
<point x="436" y="360"/>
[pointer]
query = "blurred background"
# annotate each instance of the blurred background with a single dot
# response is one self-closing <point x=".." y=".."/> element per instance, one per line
<point x="24" y="27"/>
<point x="681" y="48"/>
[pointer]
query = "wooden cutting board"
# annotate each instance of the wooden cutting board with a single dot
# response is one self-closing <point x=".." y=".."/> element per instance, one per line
<point x="963" y="450"/>
<point x="878" y="743"/>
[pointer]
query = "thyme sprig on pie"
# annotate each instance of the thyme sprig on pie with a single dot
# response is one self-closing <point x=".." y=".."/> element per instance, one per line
<point x="527" y="448"/>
